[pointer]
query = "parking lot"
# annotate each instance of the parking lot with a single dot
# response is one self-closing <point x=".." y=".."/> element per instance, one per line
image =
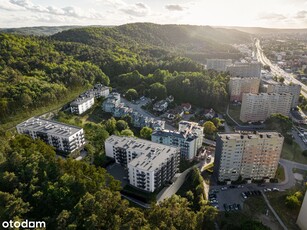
<point x="232" y="197"/>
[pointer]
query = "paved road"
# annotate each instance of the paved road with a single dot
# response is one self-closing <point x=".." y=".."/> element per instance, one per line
<point x="298" y="139"/>
<point x="209" y="142"/>
<point x="172" y="189"/>
<point x="277" y="70"/>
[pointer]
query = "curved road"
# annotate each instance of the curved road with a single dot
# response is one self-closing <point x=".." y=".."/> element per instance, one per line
<point x="277" y="70"/>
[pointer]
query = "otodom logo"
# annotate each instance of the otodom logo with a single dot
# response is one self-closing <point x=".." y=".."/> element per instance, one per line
<point x="23" y="224"/>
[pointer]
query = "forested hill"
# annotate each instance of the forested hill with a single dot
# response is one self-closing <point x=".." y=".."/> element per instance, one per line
<point x="36" y="72"/>
<point x="37" y="30"/>
<point x="196" y="42"/>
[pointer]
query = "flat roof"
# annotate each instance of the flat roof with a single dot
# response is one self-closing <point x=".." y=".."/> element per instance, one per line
<point x="48" y="126"/>
<point x="152" y="154"/>
<point x="249" y="135"/>
<point x="82" y="99"/>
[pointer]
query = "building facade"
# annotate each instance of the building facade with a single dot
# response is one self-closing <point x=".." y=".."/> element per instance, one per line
<point x="150" y="165"/>
<point x="249" y="155"/>
<point x="112" y="101"/>
<point x="82" y="104"/>
<point x="294" y="89"/>
<point x="218" y="64"/>
<point x="252" y="69"/>
<point x="188" y="138"/>
<point x="238" y="86"/>
<point x="259" y="107"/>
<point x="302" y="220"/>
<point x="99" y="91"/>
<point x="66" y="138"/>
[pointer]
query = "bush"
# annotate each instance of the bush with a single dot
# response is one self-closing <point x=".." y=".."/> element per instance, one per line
<point x="304" y="153"/>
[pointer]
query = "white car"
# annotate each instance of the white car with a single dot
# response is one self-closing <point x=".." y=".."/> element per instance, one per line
<point x="224" y="188"/>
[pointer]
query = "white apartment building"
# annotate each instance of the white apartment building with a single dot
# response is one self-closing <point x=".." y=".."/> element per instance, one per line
<point x="111" y="102"/>
<point x="63" y="137"/>
<point x="82" y="104"/>
<point x="258" y="107"/>
<point x="188" y="138"/>
<point x="149" y="164"/>
<point x="294" y="89"/>
<point x="99" y="90"/>
<point x="238" y="86"/>
<point x="302" y="216"/>
<point x="239" y="69"/>
<point x="218" y="64"/>
<point x="249" y="155"/>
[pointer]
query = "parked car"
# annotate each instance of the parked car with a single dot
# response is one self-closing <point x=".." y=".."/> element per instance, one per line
<point x="224" y="188"/>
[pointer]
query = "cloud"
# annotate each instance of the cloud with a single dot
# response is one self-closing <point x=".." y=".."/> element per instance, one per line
<point x="141" y="5"/>
<point x="69" y="11"/>
<point x="301" y="14"/>
<point x="137" y="10"/>
<point x="6" y="5"/>
<point x="272" y="16"/>
<point x="174" y="7"/>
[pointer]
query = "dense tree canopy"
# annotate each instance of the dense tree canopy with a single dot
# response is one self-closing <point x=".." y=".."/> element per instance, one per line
<point x="34" y="74"/>
<point x="146" y="133"/>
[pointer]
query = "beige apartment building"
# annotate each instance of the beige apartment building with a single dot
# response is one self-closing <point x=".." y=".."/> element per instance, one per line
<point x="302" y="216"/>
<point x="245" y="69"/>
<point x="249" y="155"/>
<point x="218" y="64"/>
<point x="258" y="107"/>
<point x="240" y="85"/>
<point x="294" y="89"/>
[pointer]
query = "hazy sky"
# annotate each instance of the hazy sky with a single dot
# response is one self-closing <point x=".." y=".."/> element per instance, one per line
<point x="264" y="13"/>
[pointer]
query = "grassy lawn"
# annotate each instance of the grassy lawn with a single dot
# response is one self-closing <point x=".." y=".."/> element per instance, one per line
<point x="280" y="173"/>
<point x="234" y="112"/>
<point x="293" y="153"/>
<point x="254" y="208"/>
<point x="97" y="115"/>
<point x="288" y="216"/>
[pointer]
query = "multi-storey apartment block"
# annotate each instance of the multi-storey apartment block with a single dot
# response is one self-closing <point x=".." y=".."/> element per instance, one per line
<point x="149" y="164"/>
<point x="188" y="138"/>
<point x="258" y="107"/>
<point x="245" y="69"/>
<point x="218" y="64"/>
<point x="86" y="100"/>
<point x="113" y="105"/>
<point x="249" y="155"/>
<point x="302" y="220"/>
<point x="63" y="137"/>
<point x="294" y="89"/>
<point x="111" y="102"/>
<point x="238" y="86"/>
<point x="82" y="104"/>
<point x="99" y="91"/>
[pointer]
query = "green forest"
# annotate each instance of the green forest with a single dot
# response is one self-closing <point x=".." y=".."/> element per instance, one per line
<point x="40" y="73"/>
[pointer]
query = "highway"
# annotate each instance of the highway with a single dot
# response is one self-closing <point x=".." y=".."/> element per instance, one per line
<point x="277" y="70"/>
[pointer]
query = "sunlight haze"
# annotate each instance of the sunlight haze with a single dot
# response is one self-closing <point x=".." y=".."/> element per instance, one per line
<point x="273" y="13"/>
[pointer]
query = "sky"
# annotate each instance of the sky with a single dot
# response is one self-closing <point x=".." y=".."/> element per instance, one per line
<point x="260" y="13"/>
